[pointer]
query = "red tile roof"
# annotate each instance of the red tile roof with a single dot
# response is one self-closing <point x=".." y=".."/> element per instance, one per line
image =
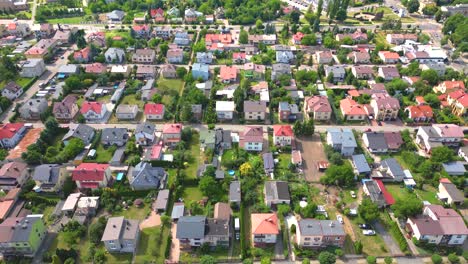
<point x="89" y="172"/>
<point x="318" y="103"/>
<point x="156" y="151"/>
<point x="283" y="131"/>
<point x="12" y="169"/>
<point x="154" y="109"/>
<point x="228" y="72"/>
<point x="298" y="36"/>
<point x="387" y="196"/>
<point x="238" y="55"/>
<point x="141" y="27"/>
<point x="449" y="85"/>
<point x="172" y="128"/>
<point x="390" y="55"/>
<point x="91" y="106"/>
<point x="155" y="12"/>
<point x="215" y="38"/>
<point x="9" y="130"/>
<point x="418" y="111"/>
<point x="95" y="68"/>
<point x="84" y="53"/>
<point x="264" y="224"/>
<point x="351" y="107"/>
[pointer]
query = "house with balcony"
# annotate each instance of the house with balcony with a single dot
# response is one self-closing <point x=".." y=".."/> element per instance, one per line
<point x="385" y="107"/>
<point x="251" y="139"/>
<point x="312" y="233"/>
<point x="429" y="137"/>
<point x="265" y="229"/>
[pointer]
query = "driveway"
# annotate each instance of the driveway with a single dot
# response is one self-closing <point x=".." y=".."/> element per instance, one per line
<point x="175" y="247"/>
<point x="45" y="245"/>
<point x="312" y="151"/>
<point x="388" y="239"/>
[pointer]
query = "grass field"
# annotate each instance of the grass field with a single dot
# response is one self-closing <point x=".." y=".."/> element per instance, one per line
<point x="104" y="155"/>
<point x="66" y="20"/>
<point x="166" y="85"/>
<point x="192" y="193"/>
<point x="132" y="100"/>
<point x="21" y="81"/>
<point x="191" y="169"/>
<point x="152" y="245"/>
<point x="135" y="213"/>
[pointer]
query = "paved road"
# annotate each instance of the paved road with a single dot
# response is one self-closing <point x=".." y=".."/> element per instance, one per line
<point x="388" y="239"/>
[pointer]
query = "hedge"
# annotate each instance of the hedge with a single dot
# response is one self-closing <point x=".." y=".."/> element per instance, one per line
<point x="399" y="237"/>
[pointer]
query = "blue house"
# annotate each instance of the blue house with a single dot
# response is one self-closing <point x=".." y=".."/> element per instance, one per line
<point x="342" y="140"/>
<point x="200" y="70"/>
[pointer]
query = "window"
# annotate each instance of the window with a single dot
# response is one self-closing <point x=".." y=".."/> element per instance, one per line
<point x="459" y="236"/>
<point x="306" y="243"/>
<point x="337" y="238"/>
<point x="307" y="238"/>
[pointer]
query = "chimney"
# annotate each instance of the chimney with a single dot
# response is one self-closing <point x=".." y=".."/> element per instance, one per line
<point x="114" y="226"/>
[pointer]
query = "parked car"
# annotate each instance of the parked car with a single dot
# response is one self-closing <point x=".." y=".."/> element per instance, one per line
<point x="340" y="219"/>
<point x="364" y="226"/>
<point x="368" y="232"/>
<point x="353" y="194"/>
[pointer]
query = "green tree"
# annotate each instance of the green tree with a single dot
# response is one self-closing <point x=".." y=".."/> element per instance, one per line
<point x="413" y="6"/>
<point x="243" y="37"/>
<point x="207" y="259"/>
<point x="430" y="76"/>
<point x="436" y="259"/>
<point x="453" y="258"/>
<point x="298" y="128"/>
<point x="97" y="229"/>
<point x="208" y="186"/>
<point x="368" y="210"/>
<point x="259" y="24"/>
<point x="388" y="260"/>
<point x="339" y="175"/>
<point x="371" y="260"/>
<point x="326" y="257"/>
<point x="442" y="154"/>
<point x="407" y="207"/>
<point x="309" y="40"/>
<point x="181" y="72"/>
<point x="306" y="261"/>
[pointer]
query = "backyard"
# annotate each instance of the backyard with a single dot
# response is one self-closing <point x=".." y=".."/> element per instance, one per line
<point x="152" y="245"/>
<point x="194" y="149"/>
<point x="21" y="81"/>
<point x="134" y="212"/>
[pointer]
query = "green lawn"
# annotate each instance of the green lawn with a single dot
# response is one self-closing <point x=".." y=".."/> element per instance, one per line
<point x="283" y="164"/>
<point x="112" y="33"/>
<point x="191" y="169"/>
<point x="104" y="155"/>
<point x="104" y="99"/>
<point x="152" y="245"/>
<point x="372" y="245"/>
<point x="397" y="191"/>
<point x="132" y="100"/>
<point x="166" y="85"/>
<point x="428" y="193"/>
<point x="192" y="193"/>
<point x="134" y="212"/>
<point x="21" y="81"/>
<point x="66" y="20"/>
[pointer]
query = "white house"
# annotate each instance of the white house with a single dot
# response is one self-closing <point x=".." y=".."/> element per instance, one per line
<point x="225" y="110"/>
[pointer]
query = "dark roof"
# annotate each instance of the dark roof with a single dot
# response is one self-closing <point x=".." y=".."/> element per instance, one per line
<point x="268" y="162"/>
<point x="235" y="191"/>
<point x="161" y="200"/>
<point x="392" y="165"/>
<point x="360" y="163"/>
<point x="145" y="127"/>
<point x="114" y="134"/>
<point x="191" y="227"/>
<point x="216" y="227"/>
<point x="47" y="173"/>
<point x="376" y="140"/>
<point x="375" y="194"/>
<point x="313" y="227"/>
<point x="277" y="190"/>
<point x="453" y="191"/>
<point x="23" y="229"/>
<point x="81" y="131"/>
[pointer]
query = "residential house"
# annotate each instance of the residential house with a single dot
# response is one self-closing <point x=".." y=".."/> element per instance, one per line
<point x="228" y="74"/>
<point x="63" y="35"/>
<point x="93" y="111"/>
<point x="32" y="68"/>
<point x="146" y="177"/>
<point x="324" y="57"/>
<point x="276" y="192"/>
<point x="235" y="192"/>
<point x="342" y="140"/>
<point x="121" y="235"/>
<point x="83" y="55"/>
<point x="283" y="135"/>
<point x="360" y="165"/>
<point x="96" y="68"/>
<point x="32" y="109"/>
<point x="455" y="9"/>
<point x="48" y="177"/>
<point x="8" y="204"/>
<point x="13" y="175"/>
<point x="389" y="170"/>
<point x="169" y="71"/>
<point x="218" y="38"/>
<point x="191" y="15"/>
<point x="144" y="56"/>
<point x="173" y="12"/>
<point x="181" y="38"/>
<point x="439" y="67"/>
<point x="265" y="229"/>
<point x="254" y="71"/>
<point x="115" y="55"/>
<point x="449" y="86"/>
<point x="197" y="112"/>
<point x="67" y="70"/>
<point x="164" y="32"/>
<point x="420" y="113"/>
<point x="254" y="110"/>
<point x="429" y="137"/>
<point x="449" y="193"/>
<point x="172" y="134"/>
<point x="145" y="133"/>
<point x="389" y="57"/>
<point x="200" y="71"/>
<point x="238" y="57"/>
<point x="398" y="39"/>
<point x="251" y="138"/>
<point x="19" y="30"/>
<point x="377" y="193"/>
<point x="458" y="102"/>
<point x="160" y="205"/>
<point x="268" y="163"/>
<point x="438" y="225"/>
<point x="385" y="107"/>
<point x="296" y="157"/>
<point x="11" y="134"/>
<point x="286" y="57"/>
<point x="454" y="168"/>
<point x="22" y="236"/>
<point x="279" y="69"/>
<point x="12" y="90"/>
<point x="154" y="111"/>
<point x="288" y="112"/>
<point x="217" y="232"/>
<point x="225" y="110"/>
<point x="265" y="39"/>
<point x="205" y="57"/>
<point x="116" y="16"/>
<point x="388" y="73"/>
<point x="41" y="49"/>
<point x="297" y="38"/>
<point x="251" y="50"/>
<point x="337" y="71"/>
<point x="114" y="136"/>
<point x="362" y="72"/>
<point x="146" y="72"/>
<point x="126" y="112"/>
<point x="81" y="131"/>
<point x="359" y="57"/>
<point x="357" y="37"/>
<point x="222" y="211"/>
<point x="91" y="175"/>
<point x="382" y="142"/>
<point x="312" y="233"/>
<point x="141" y="31"/>
<point x="66" y="110"/>
<point x="157" y="15"/>
<point x="191" y="231"/>
<point x="351" y="110"/>
<point x="46" y="30"/>
<point x="97" y="38"/>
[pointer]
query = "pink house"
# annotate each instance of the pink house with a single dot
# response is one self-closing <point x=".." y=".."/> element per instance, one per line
<point x="172" y="134"/>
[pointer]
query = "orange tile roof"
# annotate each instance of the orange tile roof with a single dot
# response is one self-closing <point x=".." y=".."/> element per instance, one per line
<point x="264" y="224"/>
<point x="351" y="107"/>
<point x="418" y="111"/>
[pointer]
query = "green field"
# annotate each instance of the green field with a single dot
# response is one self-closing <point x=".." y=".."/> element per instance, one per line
<point x="152" y="245"/>
<point x="167" y="85"/>
<point x="191" y="169"/>
<point x="66" y="20"/>
<point x="192" y="193"/>
<point x="134" y="212"/>
<point x="132" y="100"/>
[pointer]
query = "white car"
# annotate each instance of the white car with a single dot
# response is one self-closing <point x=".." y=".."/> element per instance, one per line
<point x="353" y="194"/>
<point x="340" y="219"/>
<point x="368" y="232"/>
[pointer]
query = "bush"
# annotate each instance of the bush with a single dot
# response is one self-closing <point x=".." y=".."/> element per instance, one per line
<point x="436" y="259"/>
<point x="339" y="252"/>
<point x="453" y="258"/>
<point x="358" y="247"/>
<point x="306" y="261"/>
<point x="293" y="229"/>
<point x="388" y="260"/>
<point x="371" y="259"/>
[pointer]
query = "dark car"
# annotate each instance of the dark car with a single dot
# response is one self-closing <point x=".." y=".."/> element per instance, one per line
<point x="379" y="123"/>
<point x="364" y="226"/>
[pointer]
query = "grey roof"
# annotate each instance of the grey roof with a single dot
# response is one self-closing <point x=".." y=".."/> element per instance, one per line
<point x="254" y="106"/>
<point x="114" y="134"/>
<point x="268" y="162"/>
<point x="344" y="137"/>
<point x="453" y="191"/>
<point x="281" y="67"/>
<point x="217" y="227"/>
<point x="33" y="106"/>
<point x="392" y="165"/>
<point x="145" y="127"/>
<point x="118" y="156"/>
<point x="161" y="200"/>
<point x="207" y="137"/>
<point x="24" y="228"/>
<point x="145" y="175"/>
<point x="376" y="140"/>
<point x="277" y="190"/>
<point x="454" y="168"/>
<point x="375" y="194"/>
<point x="200" y="67"/>
<point x="127" y="108"/>
<point x="81" y="131"/>
<point x="312" y="227"/>
<point x="191" y="227"/>
<point x="235" y="191"/>
<point x="360" y="163"/>
<point x="47" y="173"/>
<point x="120" y="228"/>
<point x="335" y="69"/>
<point x="115" y="53"/>
<point x="177" y="210"/>
<point x="69" y="69"/>
<point x="116" y="15"/>
<point x="219" y="174"/>
<point x="223" y="136"/>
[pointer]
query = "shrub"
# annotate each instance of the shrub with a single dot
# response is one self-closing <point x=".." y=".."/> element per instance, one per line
<point x="436" y="259"/>
<point x="339" y="252"/>
<point x="388" y="260"/>
<point x="371" y="259"/>
<point x="453" y="258"/>
<point x="306" y="261"/>
<point x="293" y="229"/>
<point x="358" y="247"/>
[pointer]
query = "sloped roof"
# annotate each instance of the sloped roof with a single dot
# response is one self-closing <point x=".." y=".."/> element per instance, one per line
<point x="264" y="224"/>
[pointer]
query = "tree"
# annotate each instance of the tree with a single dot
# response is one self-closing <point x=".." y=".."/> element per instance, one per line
<point x="246" y="169"/>
<point x="243" y="37"/>
<point x="407" y="206"/>
<point x="413" y="6"/>
<point x="181" y="72"/>
<point x="430" y="9"/>
<point x="453" y="258"/>
<point x="432" y="100"/>
<point x="308" y="127"/>
<point x="259" y="24"/>
<point x="265" y="260"/>
<point x="306" y="261"/>
<point x="326" y="257"/>
<point x="309" y="40"/>
<point x="298" y="128"/>
<point x="318" y="14"/>
<point x="208" y="186"/>
<point x="388" y="260"/>
<point x="336" y="159"/>
<point x="436" y="259"/>
<point x="165" y="220"/>
<point x="207" y="259"/>
<point x="97" y="229"/>
<point x="442" y="154"/>
<point x="430" y="76"/>
<point x="368" y="210"/>
<point x="339" y="175"/>
<point x="371" y="260"/>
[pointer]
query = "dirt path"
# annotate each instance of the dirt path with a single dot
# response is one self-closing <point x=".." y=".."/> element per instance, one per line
<point x="153" y="220"/>
<point x="312" y="152"/>
<point x="175" y="247"/>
